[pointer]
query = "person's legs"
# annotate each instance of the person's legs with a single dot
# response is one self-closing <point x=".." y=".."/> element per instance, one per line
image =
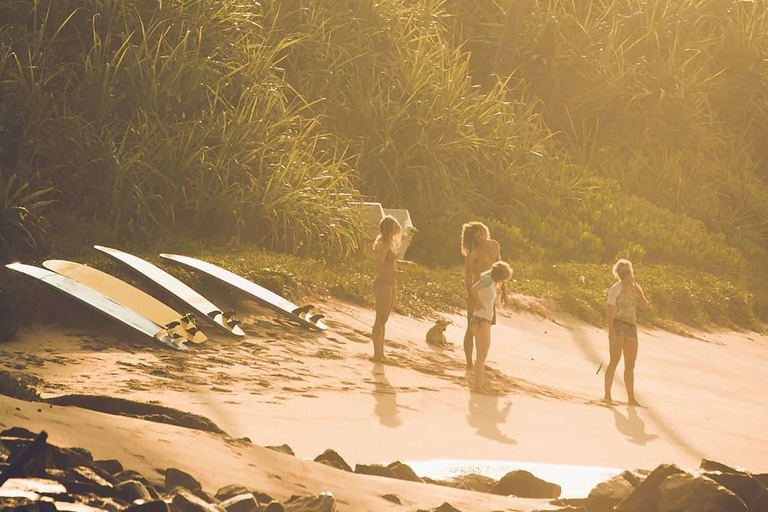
<point x="482" y="333"/>
<point x="630" y="356"/>
<point x="616" y="343"/>
<point x="384" y="294"/>
<point x="469" y="337"/>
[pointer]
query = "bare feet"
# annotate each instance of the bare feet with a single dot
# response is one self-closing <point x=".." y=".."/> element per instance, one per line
<point x="380" y="359"/>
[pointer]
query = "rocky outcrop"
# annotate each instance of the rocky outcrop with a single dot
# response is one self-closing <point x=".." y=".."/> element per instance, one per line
<point x="684" y="492"/>
<point x="645" y="497"/>
<point x="523" y="484"/>
<point x="606" y="495"/>
<point x="331" y="458"/>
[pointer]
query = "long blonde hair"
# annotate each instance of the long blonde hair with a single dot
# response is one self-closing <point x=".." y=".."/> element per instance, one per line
<point x="389" y="228"/>
<point x="469" y="233"/>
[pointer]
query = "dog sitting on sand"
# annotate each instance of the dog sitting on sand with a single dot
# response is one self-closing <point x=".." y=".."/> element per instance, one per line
<point x="436" y="334"/>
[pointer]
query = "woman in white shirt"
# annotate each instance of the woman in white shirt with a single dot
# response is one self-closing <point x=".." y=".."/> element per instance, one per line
<point x="624" y="298"/>
<point x="483" y="293"/>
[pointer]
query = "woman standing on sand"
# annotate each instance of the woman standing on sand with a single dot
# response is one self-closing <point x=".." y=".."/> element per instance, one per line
<point x="624" y="298"/>
<point x="385" y="254"/>
<point x="480" y="252"/>
<point x="483" y="293"/>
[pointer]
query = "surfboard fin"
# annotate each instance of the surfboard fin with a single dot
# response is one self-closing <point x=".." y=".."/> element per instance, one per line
<point x="315" y="318"/>
<point x="303" y="309"/>
<point x="229" y="318"/>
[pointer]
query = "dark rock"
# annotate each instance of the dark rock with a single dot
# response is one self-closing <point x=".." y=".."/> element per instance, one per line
<point x="762" y="478"/>
<point x="274" y="507"/>
<point x="79" y="482"/>
<point x="394" y="498"/>
<point x="404" y="472"/>
<point x="322" y="503"/>
<point x="26" y="505"/>
<point x="470" y="482"/>
<point x="749" y="489"/>
<point x="645" y="496"/>
<point x="230" y="491"/>
<point x="111" y="466"/>
<point x="446" y="507"/>
<point x="200" y="493"/>
<point x="711" y="465"/>
<point x="18" y="432"/>
<point x="133" y="490"/>
<point x="374" y="469"/>
<point x="149" y="506"/>
<point x="283" y="448"/>
<point x="331" y="458"/>
<point x="263" y="497"/>
<point x="130" y="474"/>
<point x="241" y="503"/>
<point x="525" y="485"/>
<point x="684" y="492"/>
<point x="65" y="458"/>
<point x="608" y="494"/>
<point x="185" y="501"/>
<point x="177" y="478"/>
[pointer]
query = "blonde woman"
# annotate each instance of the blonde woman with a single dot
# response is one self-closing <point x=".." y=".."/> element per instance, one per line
<point x="385" y="250"/>
<point x="483" y="293"/>
<point x="480" y="251"/>
<point x="624" y="298"/>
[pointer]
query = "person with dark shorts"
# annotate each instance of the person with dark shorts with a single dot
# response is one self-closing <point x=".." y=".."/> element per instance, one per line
<point x="624" y="298"/>
<point x="483" y="292"/>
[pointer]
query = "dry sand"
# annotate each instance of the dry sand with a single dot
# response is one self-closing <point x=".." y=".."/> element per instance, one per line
<point x="702" y="397"/>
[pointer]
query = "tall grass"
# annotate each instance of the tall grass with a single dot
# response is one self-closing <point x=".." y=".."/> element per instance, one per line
<point x="174" y="114"/>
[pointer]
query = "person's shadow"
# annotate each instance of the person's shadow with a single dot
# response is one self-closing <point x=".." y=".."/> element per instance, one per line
<point x="632" y="425"/>
<point x="485" y="416"/>
<point x="387" y="408"/>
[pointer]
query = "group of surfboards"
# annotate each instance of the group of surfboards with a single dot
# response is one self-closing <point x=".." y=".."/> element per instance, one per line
<point x="147" y="314"/>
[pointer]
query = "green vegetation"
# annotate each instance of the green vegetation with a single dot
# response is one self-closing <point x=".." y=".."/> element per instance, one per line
<point x="580" y="131"/>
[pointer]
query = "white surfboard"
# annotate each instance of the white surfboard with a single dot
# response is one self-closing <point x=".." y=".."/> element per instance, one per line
<point x="130" y="297"/>
<point x="102" y="303"/>
<point x="302" y="315"/>
<point x="200" y="304"/>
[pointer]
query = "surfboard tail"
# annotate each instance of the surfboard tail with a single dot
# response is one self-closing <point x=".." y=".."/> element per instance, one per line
<point x="187" y="328"/>
<point x="171" y="339"/>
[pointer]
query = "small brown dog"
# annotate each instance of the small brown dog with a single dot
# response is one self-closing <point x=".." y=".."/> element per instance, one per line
<point x="436" y="334"/>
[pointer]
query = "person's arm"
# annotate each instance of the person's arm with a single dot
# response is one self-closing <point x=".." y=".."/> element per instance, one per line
<point x="642" y="302"/>
<point x="503" y="289"/>
<point x="405" y="262"/>
<point x="469" y="263"/>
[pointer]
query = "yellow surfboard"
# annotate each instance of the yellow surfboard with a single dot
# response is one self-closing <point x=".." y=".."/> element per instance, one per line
<point x="129" y="296"/>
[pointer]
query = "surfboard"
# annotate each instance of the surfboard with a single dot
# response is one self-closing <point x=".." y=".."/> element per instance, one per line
<point x="224" y="319"/>
<point x="303" y="315"/>
<point x="102" y="303"/>
<point x="131" y="297"/>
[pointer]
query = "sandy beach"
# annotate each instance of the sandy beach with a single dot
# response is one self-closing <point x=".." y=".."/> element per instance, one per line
<point x="702" y="396"/>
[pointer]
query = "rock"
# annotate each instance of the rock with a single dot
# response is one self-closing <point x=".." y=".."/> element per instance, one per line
<point x="26" y="505"/>
<point x="149" y="506"/>
<point x="711" y="465"/>
<point x="283" y="448"/>
<point x="111" y="466"/>
<point x="177" y="478"/>
<point x="322" y="503"/>
<point x="130" y="474"/>
<point x="229" y="491"/>
<point x="65" y="458"/>
<point x="18" y="432"/>
<point x="404" y="472"/>
<point x="331" y="458"/>
<point x="393" y="498"/>
<point x="645" y="496"/>
<point x="608" y="494"/>
<point x="274" y="507"/>
<point x="684" y="492"/>
<point x="749" y="489"/>
<point x="374" y="469"/>
<point x="762" y="478"/>
<point x="133" y="490"/>
<point x="523" y="484"/>
<point x="240" y="503"/>
<point x="185" y="501"/>
<point x="263" y="497"/>
<point x="446" y="507"/>
<point x="79" y="482"/>
<point x="471" y="482"/>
